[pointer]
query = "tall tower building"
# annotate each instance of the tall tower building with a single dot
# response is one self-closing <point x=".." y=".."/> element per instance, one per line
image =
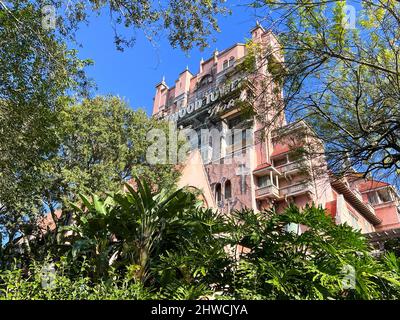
<point x="232" y="114"/>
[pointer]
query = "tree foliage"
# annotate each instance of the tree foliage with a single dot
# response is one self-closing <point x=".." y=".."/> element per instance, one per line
<point x="157" y="238"/>
<point x="342" y="74"/>
<point x="100" y="146"/>
<point x="36" y="72"/>
<point x="186" y="23"/>
<point x="42" y="162"/>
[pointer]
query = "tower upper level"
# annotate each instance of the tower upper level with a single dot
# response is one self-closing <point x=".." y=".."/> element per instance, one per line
<point x="192" y="93"/>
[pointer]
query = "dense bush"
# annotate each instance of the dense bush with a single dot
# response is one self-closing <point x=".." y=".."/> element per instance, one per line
<point x="322" y="261"/>
<point x="60" y="284"/>
<point x="145" y="244"/>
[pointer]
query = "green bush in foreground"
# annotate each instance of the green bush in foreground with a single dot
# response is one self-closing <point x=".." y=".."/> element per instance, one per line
<point x="323" y="261"/>
<point x="37" y="283"/>
<point x="145" y="244"/>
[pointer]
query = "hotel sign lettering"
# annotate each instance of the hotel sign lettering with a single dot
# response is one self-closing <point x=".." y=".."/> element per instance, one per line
<point x="206" y="100"/>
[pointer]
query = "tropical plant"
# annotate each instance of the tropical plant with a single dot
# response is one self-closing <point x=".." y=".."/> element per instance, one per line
<point x="147" y="243"/>
<point x="156" y="237"/>
<point x="66" y="281"/>
<point x="303" y="254"/>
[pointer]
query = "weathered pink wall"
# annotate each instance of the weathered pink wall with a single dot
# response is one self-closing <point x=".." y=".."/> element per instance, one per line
<point x="389" y="216"/>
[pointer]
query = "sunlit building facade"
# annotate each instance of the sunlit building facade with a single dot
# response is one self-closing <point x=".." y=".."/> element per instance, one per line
<point x="242" y="163"/>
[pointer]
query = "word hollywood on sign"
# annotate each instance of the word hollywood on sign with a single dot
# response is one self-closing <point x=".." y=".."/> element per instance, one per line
<point x="206" y="100"/>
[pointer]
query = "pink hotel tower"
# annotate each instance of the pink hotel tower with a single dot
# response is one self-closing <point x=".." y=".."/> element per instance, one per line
<point x="256" y="166"/>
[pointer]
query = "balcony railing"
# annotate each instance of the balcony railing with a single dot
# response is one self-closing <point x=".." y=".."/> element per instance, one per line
<point x="304" y="187"/>
<point x="270" y="191"/>
<point x="274" y="192"/>
<point x="293" y="166"/>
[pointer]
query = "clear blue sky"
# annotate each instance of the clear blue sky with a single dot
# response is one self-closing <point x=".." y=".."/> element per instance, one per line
<point x="133" y="74"/>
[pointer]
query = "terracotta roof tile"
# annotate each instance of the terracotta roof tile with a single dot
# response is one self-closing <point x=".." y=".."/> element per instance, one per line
<point x="262" y="166"/>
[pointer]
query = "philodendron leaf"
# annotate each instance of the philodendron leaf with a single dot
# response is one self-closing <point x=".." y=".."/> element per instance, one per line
<point x="99" y="205"/>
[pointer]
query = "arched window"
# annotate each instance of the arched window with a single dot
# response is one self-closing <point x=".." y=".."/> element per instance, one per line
<point x="206" y="79"/>
<point x="225" y="64"/>
<point x="228" y="189"/>
<point x="218" y="192"/>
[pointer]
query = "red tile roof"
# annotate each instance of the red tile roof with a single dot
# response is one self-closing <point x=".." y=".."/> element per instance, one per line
<point x="262" y="166"/>
<point x="371" y="184"/>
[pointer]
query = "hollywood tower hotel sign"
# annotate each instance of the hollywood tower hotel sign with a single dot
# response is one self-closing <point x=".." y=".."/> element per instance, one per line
<point x="259" y="173"/>
<point x="207" y="100"/>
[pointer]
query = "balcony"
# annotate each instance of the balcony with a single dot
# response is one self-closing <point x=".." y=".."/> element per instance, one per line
<point x="292" y="167"/>
<point x="289" y="128"/>
<point x="383" y="197"/>
<point x="297" y="189"/>
<point x="270" y="191"/>
<point x="366" y="209"/>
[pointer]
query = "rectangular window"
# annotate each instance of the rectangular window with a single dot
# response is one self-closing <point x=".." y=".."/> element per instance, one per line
<point x="264" y="181"/>
<point x="384" y="195"/>
<point x="373" y="198"/>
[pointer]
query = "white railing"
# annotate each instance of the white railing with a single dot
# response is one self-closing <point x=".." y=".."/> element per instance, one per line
<point x="297" y="189"/>
<point x="292" y="166"/>
<point x="268" y="191"/>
